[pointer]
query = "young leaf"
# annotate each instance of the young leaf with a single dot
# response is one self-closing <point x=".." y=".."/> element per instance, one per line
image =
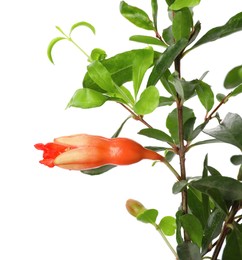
<point x="229" y="131"/>
<point x="188" y="250"/>
<point x="233" y="78"/>
<point x="116" y="134"/>
<point x="154" y="6"/>
<point x="193" y="227"/>
<point x="148" y="102"/>
<point x="233" y="25"/>
<point x="156" y="134"/>
<point x="205" y="95"/>
<point x="141" y="62"/>
<point x="168" y="225"/>
<point x="179" y="4"/>
<point x="86" y="24"/>
<point x="147" y="40"/>
<point x="51" y="45"/>
<point x="182" y="24"/>
<point x="97" y="54"/>
<point x="179" y="186"/>
<point x="136" y="16"/>
<point x="87" y="98"/>
<point x="148" y="216"/>
<point x="165" y="61"/>
<point x="236" y="159"/>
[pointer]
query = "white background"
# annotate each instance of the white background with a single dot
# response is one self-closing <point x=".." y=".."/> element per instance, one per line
<point x="56" y="214"/>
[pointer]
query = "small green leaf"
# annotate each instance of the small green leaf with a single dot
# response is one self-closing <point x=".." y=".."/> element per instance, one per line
<point x="236" y="159"/>
<point x="88" y="25"/>
<point x="179" y="186"/>
<point x="99" y="170"/>
<point x="168" y="225"/>
<point x="220" y="97"/>
<point x="239" y="177"/>
<point x="51" y="45"/>
<point x="147" y="40"/>
<point x="148" y="102"/>
<point x="236" y="91"/>
<point x="148" y="216"/>
<point x="233" y="25"/>
<point x="166" y="101"/>
<point x="193" y="227"/>
<point x="179" y="4"/>
<point x="154" y="6"/>
<point x="233" y="78"/>
<point x="229" y="131"/>
<point x="169" y="155"/>
<point x="165" y="61"/>
<point x="182" y="24"/>
<point x="168" y="36"/>
<point x="87" y="98"/>
<point x="205" y="95"/>
<point x="141" y="63"/>
<point x="156" y="134"/>
<point x="97" y="54"/>
<point x="101" y="76"/>
<point x="116" y="134"/>
<point x="213" y="171"/>
<point x="136" y="16"/>
<point x="229" y="188"/>
<point x="188" y="251"/>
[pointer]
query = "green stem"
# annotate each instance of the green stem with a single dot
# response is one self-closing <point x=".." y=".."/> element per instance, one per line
<point x="166" y="240"/>
<point x="70" y="39"/>
<point x="172" y="169"/>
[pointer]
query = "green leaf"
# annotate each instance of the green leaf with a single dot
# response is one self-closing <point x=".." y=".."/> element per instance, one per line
<point x="239" y="177"/>
<point x="156" y="134"/>
<point x="179" y="4"/>
<point x="212" y="228"/>
<point x="197" y="131"/>
<point x="233" y="247"/>
<point x="182" y="24"/>
<point x="188" y="251"/>
<point x="148" y="216"/>
<point x="168" y="225"/>
<point x="87" y="98"/>
<point x="168" y="36"/>
<point x="233" y="25"/>
<point x="148" y="102"/>
<point x="236" y="159"/>
<point x="165" y="61"/>
<point x="205" y="95"/>
<point x="220" y="97"/>
<point x="141" y="63"/>
<point x="229" y="131"/>
<point x="97" y="54"/>
<point x="99" y="170"/>
<point x="101" y="76"/>
<point x="86" y="24"/>
<point x="179" y="186"/>
<point x="154" y="6"/>
<point x="169" y="155"/>
<point x="233" y="78"/>
<point x="51" y="45"/>
<point x="116" y="134"/>
<point x="213" y="171"/>
<point x="229" y="188"/>
<point x="209" y="141"/>
<point x="136" y="16"/>
<point x="193" y="227"/>
<point x="166" y="101"/>
<point x="147" y="40"/>
<point x="179" y="238"/>
<point x="236" y="91"/>
<point x="172" y="122"/>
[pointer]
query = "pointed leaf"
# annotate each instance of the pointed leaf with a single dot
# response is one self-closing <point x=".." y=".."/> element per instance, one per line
<point x="147" y="40"/>
<point x="99" y="170"/>
<point x="236" y="91"/>
<point x="51" y="45"/>
<point x="136" y="16"/>
<point x="179" y="186"/>
<point x="233" y="78"/>
<point x="154" y="6"/>
<point x="86" y="24"/>
<point x="188" y="251"/>
<point x="229" y="131"/>
<point x="205" y="95"/>
<point x="233" y="25"/>
<point x="165" y="61"/>
<point x="148" y="102"/>
<point x="166" y="101"/>
<point x="156" y="134"/>
<point x="179" y="238"/>
<point x="116" y="134"/>
<point x="179" y="4"/>
<point x="168" y="225"/>
<point x="148" y="216"/>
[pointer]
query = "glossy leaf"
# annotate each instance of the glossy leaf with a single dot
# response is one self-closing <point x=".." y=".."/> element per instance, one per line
<point x="148" y="216"/>
<point x="233" y="247"/>
<point x="156" y="134"/>
<point x="168" y="225"/>
<point x="148" y="102"/>
<point x="86" y="24"/>
<point x="179" y="186"/>
<point x="99" y="170"/>
<point x="165" y="61"/>
<point x="116" y="134"/>
<point x="147" y="40"/>
<point x="87" y="98"/>
<point x="193" y="227"/>
<point x="233" y="25"/>
<point x="236" y="159"/>
<point x="172" y="122"/>
<point x="212" y="228"/>
<point x="233" y="78"/>
<point x="141" y="63"/>
<point x="97" y="54"/>
<point x="229" y="188"/>
<point x="51" y="45"/>
<point x="101" y="76"/>
<point x="179" y="4"/>
<point x="182" y="24"/>
<point x="205" y="95"/>
<point x="229" y="131"/>
<point x="136" y="16"/>
<point x="188" y="251"/>
<point x="154" y="6"/>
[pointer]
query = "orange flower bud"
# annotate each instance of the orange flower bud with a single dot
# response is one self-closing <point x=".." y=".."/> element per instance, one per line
<point x="134" y="207"/>
<point x="83" y="152"/>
